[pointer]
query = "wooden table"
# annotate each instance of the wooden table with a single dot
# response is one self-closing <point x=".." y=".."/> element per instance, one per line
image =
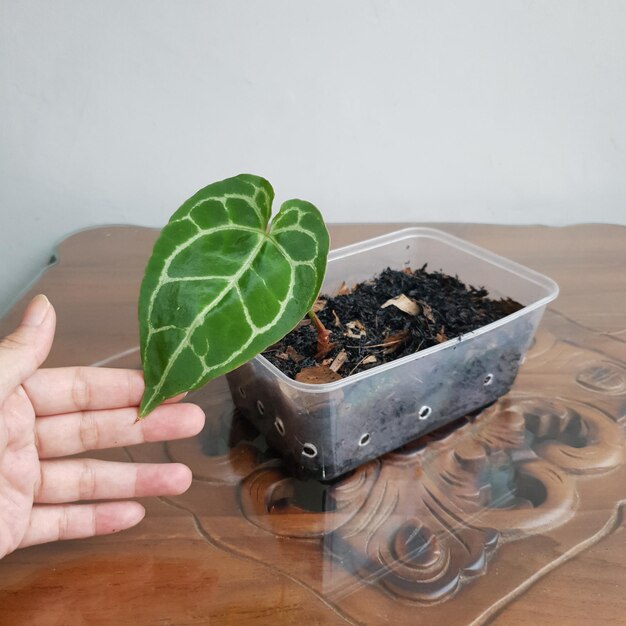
<point x="514" y="518"/>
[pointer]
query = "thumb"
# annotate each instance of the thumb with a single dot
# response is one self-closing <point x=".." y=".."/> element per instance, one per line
<point x="25" y="349"/>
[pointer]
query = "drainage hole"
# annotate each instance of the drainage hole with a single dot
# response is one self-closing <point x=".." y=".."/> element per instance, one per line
<point x="424" y="412"/>
<point x="308" y="449"/>
<point x="279" y="426"/>
<point x="260" y="408"/>
<point x="488" y="379"/>
<point x="365" y="439"/>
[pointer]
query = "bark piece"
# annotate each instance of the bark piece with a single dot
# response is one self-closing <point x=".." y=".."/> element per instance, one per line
<point x="339" y="360"/>
<point x="355" y="329"/>
<point x="317" y="375"/>
<point x="344" y="290"/>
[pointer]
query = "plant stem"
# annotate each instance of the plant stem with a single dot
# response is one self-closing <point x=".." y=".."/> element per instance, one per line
<point x="324" y="345"/>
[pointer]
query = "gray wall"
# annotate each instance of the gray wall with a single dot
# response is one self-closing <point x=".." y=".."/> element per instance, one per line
<point x="492" y="111"/>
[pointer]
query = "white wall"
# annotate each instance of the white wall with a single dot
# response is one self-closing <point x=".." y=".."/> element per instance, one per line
<point x="492" y="111"/>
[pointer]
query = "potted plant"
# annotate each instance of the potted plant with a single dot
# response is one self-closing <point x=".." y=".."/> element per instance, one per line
<point x="225" y="284"/>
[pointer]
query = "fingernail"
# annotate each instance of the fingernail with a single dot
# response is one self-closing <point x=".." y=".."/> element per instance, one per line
<point x="36" y="311"/>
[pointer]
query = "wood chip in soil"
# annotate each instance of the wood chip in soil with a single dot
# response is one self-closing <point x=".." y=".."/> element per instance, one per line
<point x="317" y="375"/>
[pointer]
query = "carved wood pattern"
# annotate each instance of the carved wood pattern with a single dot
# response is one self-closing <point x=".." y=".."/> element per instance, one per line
<point x="431" y="519"/>
<point x="457" y="528"/>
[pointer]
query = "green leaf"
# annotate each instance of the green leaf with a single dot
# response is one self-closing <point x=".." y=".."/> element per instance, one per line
<point x="221" y="286"/>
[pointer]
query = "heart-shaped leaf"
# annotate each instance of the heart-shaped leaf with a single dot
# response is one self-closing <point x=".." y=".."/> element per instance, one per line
<point x="221" y="286"/>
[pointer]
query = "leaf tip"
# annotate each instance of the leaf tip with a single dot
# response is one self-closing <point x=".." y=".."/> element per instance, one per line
<point x="145" y="408"/>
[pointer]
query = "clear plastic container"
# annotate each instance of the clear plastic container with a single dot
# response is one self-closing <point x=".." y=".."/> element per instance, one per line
<point x="323" y="431"/>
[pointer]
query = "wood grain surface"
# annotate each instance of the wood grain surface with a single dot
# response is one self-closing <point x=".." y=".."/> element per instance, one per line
<point x="514" y="516"/>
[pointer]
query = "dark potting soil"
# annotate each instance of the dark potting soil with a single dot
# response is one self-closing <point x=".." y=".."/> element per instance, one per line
<point x="390" y="316"/>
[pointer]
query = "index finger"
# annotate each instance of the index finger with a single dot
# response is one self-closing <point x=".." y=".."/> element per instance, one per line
<point x="70" y="389"/>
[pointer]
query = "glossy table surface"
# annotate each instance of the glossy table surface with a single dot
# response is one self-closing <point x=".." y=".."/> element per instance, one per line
<point x="514" y="517"/>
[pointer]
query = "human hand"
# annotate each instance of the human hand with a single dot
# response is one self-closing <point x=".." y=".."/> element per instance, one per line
<point x="49" y="414"/>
